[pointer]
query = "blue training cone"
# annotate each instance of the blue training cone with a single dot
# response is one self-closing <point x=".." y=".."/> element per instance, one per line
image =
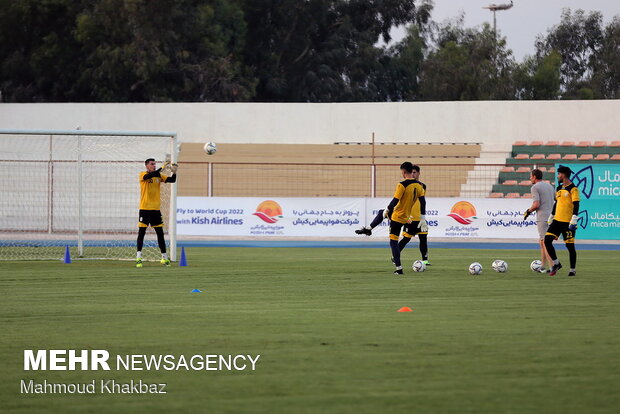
<point x="183" y="261"/>
<point x="196" y="291"/>
<point x="67" y="256"/>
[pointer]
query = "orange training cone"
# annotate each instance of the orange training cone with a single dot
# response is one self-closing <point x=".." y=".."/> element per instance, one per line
<point x="405" y="309"/>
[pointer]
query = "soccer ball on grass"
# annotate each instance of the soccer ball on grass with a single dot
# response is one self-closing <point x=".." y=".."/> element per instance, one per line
<point x="475" y="268"/>
<point x="418" y="266"/>
<point x="499" y="266"/>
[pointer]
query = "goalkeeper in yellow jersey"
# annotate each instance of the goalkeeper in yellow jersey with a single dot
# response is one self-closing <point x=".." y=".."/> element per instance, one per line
<point x="150" y="200"/>
<point x="563" y="220"/>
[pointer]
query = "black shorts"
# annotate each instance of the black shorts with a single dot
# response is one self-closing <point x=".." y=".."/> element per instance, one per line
<point x="395" y="228"/>
<point x="557" y="228"/>
<point x="412" y="229"/>
<point x="151" y="218"/>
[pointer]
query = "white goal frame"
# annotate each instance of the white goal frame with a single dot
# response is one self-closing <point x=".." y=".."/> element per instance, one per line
<point x="172" y="156"/>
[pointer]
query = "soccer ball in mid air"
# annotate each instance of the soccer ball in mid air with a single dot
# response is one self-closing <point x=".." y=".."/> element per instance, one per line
<point x="475" y="268"/>
<point x="536" y="265"/>
<point x="418" y="266"/>
<point x="499" y="266"/>
<point x="210" y="148"/>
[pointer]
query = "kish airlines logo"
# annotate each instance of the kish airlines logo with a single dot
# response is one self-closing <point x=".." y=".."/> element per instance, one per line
<point x="463" y="212"/>
<point x="269" y="211"/>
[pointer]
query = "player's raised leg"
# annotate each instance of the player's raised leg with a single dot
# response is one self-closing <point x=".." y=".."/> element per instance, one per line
<point x="367" y="230"/>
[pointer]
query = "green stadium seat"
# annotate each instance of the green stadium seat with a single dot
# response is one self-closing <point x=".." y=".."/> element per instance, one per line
<point x="527" y="195"/>
<point x="513" y="195"/>
<point x="599" y="144"/>
<point x="570" y="157"/>
<point x="584" y="144"/>
<point x="536" y="143"/>
<point x="615" y="144"/>
<point x="508" y="169"/>
<point x="523" y="170"/>
<point x="554" y="157"/>
<point x="586" y="157"/>
<point x="525" y="183"/>
<point x="615" y="157"/>
<point x="522" y="157"/>
<point x="552" y="143"/>
<point x="519" y="144"/>
<point x="601" y="157"/>
<point x="538" y="157"/>
<point x="510" y="182"/>
<point x="567" y="144"/>
<point x="496" y="195"/>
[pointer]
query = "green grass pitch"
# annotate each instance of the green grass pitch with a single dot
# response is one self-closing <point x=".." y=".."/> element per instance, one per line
<point x="325" y="324"/>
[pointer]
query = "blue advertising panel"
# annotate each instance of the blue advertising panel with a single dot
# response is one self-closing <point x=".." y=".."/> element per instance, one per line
<point x="599" y="186"/>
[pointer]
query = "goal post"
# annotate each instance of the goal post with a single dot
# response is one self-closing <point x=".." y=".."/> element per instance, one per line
<point x="80" y="189"/>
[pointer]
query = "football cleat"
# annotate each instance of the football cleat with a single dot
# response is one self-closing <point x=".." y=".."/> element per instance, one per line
<point x="399" y="272"/>
<point x="543" y="270"/>
<point x="572" y="273"/>
<point x="555" y="269"/>
<point x="364" y="230"/>
<point x="138" y="262"/>
<point x="426" y="263"/>
<point x="165" y="262"/>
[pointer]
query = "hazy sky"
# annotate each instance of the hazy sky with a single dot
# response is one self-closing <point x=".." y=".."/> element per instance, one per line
<point x="521" y="24"/>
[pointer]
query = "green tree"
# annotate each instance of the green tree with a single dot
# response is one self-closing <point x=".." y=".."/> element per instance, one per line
<point x="39" y="57"/>
<point x="161" y="50"/>
<point x="606" y="68"/>
<point x="467" y="64"/>
<point x="539" y="79"/>
<point x="578" y="39"/>
<point x="320" y="50"/>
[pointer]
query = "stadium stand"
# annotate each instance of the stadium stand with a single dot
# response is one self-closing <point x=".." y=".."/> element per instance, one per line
<point x="317" y="170"/>
<point x="523" y="157"/>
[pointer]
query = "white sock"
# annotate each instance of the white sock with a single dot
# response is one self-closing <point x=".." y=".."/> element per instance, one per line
<point x="399" y="268"/>
<point x="164" y="256"/>
<point x="556" y="261"/>
<point x="139" y="255"/>
<point x="572" y="270"/>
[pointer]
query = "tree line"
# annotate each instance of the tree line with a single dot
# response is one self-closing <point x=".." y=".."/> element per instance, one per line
<point x="288" y="51"/>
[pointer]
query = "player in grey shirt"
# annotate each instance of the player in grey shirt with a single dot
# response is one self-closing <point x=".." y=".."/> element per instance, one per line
<point x="543" y="196"/>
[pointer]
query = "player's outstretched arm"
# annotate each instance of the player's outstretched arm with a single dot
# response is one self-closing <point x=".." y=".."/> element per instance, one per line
<point x="149" y="175"/>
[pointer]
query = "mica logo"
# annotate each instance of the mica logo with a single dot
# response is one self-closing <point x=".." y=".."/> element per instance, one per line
<point x="463" y="212"/>
<point x="269" y="211"/>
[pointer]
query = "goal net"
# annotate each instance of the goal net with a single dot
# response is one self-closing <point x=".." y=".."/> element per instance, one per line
<point x="79" y="189"/>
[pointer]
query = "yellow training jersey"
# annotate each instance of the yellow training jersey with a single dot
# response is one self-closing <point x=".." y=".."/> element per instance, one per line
<point x="415" y="211"/>
<point x="564" y="198"/>
<point x="407" y="192"/>
<point x="149" y="191"/>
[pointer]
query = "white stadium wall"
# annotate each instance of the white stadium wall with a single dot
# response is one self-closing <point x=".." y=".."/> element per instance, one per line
<point x="493" y="123"/>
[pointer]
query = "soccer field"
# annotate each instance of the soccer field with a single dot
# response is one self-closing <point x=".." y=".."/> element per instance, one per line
<point x="326" y="326"/>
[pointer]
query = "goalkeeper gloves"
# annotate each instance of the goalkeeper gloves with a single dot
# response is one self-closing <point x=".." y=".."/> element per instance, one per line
<point x="165" y="165"/>
<point x="174" y="167"/>
<point x="550" y="219"/>
<point x="423" y="225"/>
<point x="387" y="213"/>
<point x="573" y="223"/>
<point x="526" y="214"/>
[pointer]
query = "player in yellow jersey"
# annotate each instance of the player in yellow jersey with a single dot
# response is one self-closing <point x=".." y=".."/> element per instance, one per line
<point x="416" y="227"/>
<point x="563" y="220"/>
<point x="400" y="210"/>
<point x="150" y="214"/>
<point x="417" y="224"/>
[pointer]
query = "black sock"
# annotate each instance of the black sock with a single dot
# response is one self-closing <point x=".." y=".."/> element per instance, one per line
<point x="141" y="234"/>
<point x="377" y="220"/>
<point x="403" y="242"/>
<point x="572" y="254"/>
<point x="423" y="246"/>
<point x="395" y="252"/>
<point x="550" y="249"/>
<point x="160" y="239"/>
